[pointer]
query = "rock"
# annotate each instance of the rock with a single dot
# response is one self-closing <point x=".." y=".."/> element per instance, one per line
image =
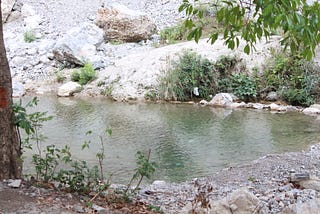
<point x="272" y="96"/>
<point x="312" y="183"/>
<point x="15" y="183"/>
<point x="6" y="7"/>
<point x="237" y="105"/>
<point x="203" y="102"/>
<point x="292" y="108"/>
<point x="311" y="111"/>
<point x="79" y="45"/>
<point x="100" y="210"/>
<point x="309" y="207"/>
<point x="68" y="89"/>
<point x="32" y="22"/>
<point x="123" y="24"/>
<point x="257" y="106"/>
<point x="27" y="10"/>
<point x="221" y="99"/>
<point x="18" y="89"/>
<point x="79" y="209"/>
<point x="274" y="107"/>
<point x="316" y="106"/>
<point x="220" y="207"/>
<point x="242" y="201"/>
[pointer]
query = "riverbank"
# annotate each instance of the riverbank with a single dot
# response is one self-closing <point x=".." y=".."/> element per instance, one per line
<point x="266" y="185"/>
<point x="267" y="180"/>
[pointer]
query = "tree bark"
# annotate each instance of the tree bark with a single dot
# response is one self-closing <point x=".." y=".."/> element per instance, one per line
<point x="10" y="153"/>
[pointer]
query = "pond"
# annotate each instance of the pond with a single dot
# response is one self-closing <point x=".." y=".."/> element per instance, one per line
<point x="187" y="141"/>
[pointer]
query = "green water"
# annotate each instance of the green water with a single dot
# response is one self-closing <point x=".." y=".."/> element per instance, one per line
<point x="187" y="141"/>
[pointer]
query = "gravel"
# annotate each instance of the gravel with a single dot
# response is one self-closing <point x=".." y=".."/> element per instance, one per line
<point x="268" y="178"/>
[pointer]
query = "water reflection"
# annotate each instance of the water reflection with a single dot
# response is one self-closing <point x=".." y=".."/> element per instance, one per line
<point x="187" y="141"/>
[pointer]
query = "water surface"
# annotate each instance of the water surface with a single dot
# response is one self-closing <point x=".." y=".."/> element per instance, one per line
<point x="186" y="141"/>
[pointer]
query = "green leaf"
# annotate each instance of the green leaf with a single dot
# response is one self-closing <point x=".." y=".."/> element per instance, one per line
<point x="231" y="44"/>
<point x="109" y="131"/>
<point x="247" y="49"/>
<point x="214" y="38"/>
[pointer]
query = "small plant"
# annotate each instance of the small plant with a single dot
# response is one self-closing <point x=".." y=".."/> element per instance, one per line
<point x="29" y="36"/>
<point x="86" y="74"/>
<point x="252" y="179"/>
<point x="116" y="42"/>
<point x="145" y="168"/>
<point x="45" y="166"/>
<point x="75" y="76"/>
<point x="156" y="209"/>
<point x="151" y="95"/>
<point x="101" y="83"/>
<point x="173" y="34"/>
<point x="30" y="123"/>
<point x="60" y="76"/>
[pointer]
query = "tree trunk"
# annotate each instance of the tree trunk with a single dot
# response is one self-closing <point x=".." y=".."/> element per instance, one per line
<point x="10" y="162"/>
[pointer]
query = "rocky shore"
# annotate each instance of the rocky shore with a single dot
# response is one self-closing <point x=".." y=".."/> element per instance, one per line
<point x="270" y="184"/>
<point x="277" y="183"/>
<point x="286" y="183"/>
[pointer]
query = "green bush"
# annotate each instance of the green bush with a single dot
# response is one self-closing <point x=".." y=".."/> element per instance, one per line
<point x="190" y="71"/>
<point x="173" y="34"/>
<point x="75" y="76"/>
<point x="86" y="74"/>
<point x="244" y="86"/>
<point x="295" y="79"/>
<point x="29" y="36"/>
<point x="60" y="77"/>
<point x="225" y="67"/>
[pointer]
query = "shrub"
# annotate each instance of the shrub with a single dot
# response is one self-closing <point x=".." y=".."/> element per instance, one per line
<point x="225" y="67"/>
<point x="60" y="77"/>
<point x="86" y="74"/>
<point x="295" y="79"/>
<point x="29" y="36"/>
<point x="244" y="86"/>
<point x="172" y="34"/>
<point x="189" y="72"/>
<point x="75" y="76"/>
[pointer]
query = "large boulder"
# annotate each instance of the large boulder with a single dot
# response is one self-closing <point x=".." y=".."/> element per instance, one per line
<point x="240" y="201"/>
<point x="79" y="45"/>
<point x="313" y="109"/>
<point x="123" y="24"/>
<point x="221" y="99"/>
<point x="6" y="7"/>
<point x="68" y="89"/>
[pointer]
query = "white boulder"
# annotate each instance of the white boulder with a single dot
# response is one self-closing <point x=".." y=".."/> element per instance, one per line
<point x="68" y="89"/>
<point x="221" y="99"/>
<point x="79" y="45"/>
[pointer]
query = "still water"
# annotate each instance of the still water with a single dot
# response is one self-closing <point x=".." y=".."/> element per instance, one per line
<point x="186" y="141"/>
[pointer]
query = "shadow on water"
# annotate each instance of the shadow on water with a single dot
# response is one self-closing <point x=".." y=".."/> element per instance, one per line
<point x="187" y="141"/>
